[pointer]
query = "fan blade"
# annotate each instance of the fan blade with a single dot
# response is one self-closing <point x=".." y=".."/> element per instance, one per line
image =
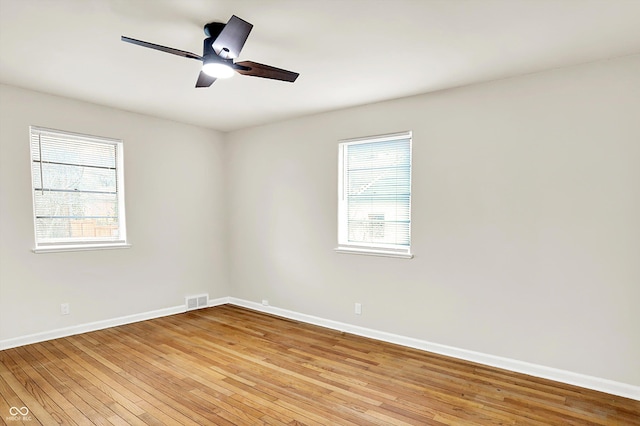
<point x="161" y="48"/>
<point x="265" y="71"/>
<point x="232" y="38"/>
<point x="204" y="80"/>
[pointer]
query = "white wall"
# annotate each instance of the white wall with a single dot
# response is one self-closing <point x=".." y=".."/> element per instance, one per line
<point x="174" y="181"/>
<point x="526" y="219"/>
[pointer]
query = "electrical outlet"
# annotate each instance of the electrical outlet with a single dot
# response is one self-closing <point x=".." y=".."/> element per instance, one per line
<point x="358" y="308"/>
<point x="64" y="309"/>
<point x="265" y="302"/>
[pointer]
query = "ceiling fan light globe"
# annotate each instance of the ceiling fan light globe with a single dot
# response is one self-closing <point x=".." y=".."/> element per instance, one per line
<point x="218" y="70"/>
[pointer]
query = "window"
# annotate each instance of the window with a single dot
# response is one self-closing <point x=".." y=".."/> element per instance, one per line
<point x="374" y="204"/>
<point x="78" y="191"/>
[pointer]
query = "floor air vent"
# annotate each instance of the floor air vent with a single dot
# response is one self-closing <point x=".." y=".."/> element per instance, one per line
<point x="197" y="302"/>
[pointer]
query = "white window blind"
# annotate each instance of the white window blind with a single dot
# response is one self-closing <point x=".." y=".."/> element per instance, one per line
<point x="78" y="192"/>
<point x="375" y="195"/>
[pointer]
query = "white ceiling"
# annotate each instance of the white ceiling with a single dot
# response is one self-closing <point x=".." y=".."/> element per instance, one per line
<point x="348" y="52"/>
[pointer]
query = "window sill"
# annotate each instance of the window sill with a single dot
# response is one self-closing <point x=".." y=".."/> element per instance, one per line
<point x="373" y="252"/>
<point x="80" y="247"/>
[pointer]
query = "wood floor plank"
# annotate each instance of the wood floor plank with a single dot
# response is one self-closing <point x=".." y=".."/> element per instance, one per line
<point x="54" y="401"/>
<point x="22" y="392"/>
<point x="232" y="366"/>
<point x="173" y="397"/>
<point x="91" y="389"/>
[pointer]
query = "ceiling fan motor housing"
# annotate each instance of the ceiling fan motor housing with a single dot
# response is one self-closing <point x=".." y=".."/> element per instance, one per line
<point x="212" y="29"/>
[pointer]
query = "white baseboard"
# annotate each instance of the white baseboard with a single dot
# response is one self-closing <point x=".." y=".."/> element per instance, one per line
<point x="568" y="377"/>
<point x="219" y="301"/>
<point x="99" y="325"/>
<point x="91" y="326"/>
<point x="589" y="382"/>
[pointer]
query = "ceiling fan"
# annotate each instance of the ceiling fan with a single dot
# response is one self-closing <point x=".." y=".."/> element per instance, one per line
<point x="222" y="45"/>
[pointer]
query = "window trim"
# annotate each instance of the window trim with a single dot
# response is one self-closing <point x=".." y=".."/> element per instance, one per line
<point x="369" y="249"/>
<point x="79" y="245"/>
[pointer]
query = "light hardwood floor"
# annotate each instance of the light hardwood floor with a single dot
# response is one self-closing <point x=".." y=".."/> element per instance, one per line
<point x="232" y="366"/>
